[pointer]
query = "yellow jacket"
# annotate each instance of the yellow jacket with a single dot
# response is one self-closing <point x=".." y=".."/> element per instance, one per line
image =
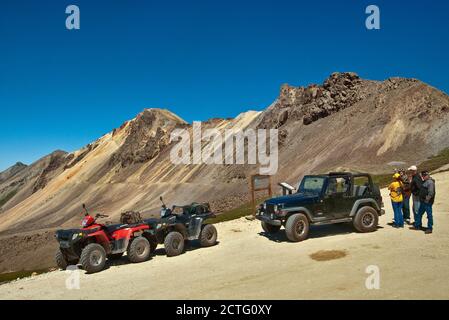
<point x="396" y="188"/>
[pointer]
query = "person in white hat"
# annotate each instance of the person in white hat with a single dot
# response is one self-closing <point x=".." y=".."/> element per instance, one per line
<point x="415" y="187"/>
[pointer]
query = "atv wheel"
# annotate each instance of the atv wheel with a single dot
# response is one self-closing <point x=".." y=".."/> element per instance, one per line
<point x="93" y="258"/>
<point x="139" y="250"/>
<point x="208" y="236"/>
<point x="115" y="256"/>
<point x="297" y="227"/>
<point x="366" y="220"/>
<point x="60" y="259"/>
<point x="174" y="244"/>
<point x="269" y="228"/>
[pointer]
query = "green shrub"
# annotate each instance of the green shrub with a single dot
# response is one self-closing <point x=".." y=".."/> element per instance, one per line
<point x="7" y="197"/>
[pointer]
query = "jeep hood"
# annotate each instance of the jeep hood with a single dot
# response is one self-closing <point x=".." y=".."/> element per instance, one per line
<point x="296" y="198"/>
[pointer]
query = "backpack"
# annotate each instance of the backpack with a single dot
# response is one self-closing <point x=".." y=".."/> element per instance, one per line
<point x="197" y="208"/>
<point x="130" y="217"/>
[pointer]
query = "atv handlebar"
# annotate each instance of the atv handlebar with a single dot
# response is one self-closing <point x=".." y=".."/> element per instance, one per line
<point x="99" y="215"/>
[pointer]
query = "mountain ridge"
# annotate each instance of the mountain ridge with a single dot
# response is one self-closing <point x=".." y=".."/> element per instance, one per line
<point x="345" y="123"/>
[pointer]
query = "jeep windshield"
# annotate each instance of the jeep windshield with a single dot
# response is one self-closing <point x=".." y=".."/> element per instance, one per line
<point x="310" y="184"/>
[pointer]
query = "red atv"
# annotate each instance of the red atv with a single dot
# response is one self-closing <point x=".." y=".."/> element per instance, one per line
<point x="91" y="245"/>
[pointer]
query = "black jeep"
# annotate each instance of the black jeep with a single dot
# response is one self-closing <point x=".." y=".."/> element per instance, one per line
<point x="324" y="199"/>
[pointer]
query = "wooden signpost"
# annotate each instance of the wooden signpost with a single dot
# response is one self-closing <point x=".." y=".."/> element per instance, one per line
<point x="259" y="183"/>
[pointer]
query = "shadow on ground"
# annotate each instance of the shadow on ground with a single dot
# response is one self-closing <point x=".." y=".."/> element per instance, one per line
<point x="189" y="246"/>
<point x="315" y="232"/>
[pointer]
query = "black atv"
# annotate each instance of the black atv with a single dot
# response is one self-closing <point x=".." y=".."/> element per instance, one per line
<point x="183" y="223"/>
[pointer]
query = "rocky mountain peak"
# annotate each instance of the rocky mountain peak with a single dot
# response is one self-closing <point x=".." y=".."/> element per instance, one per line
<point x="147" y="135"/>
<point x="339" y="91"/>
<point x="11" y="171"/>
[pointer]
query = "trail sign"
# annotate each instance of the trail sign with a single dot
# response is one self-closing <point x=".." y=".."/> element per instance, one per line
<point x="259" y="183"/>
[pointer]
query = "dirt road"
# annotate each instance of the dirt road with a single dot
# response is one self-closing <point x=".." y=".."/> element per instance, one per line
<point x="248" y="265"/>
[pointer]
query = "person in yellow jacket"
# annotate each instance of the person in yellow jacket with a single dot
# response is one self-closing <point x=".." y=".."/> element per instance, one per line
<point x="396" y="194"/>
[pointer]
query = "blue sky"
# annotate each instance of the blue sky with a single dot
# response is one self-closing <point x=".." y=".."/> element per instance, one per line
<point x="62" y="89"/>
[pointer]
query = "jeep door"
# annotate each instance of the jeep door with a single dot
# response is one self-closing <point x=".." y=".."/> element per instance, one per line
<point x="337" y="197"/>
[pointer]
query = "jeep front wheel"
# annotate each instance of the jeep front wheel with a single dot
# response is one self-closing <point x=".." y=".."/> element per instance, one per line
<point x="93" y="258"/>
<point x="174" y="244"/>
<point x="366" y="220"/>
<point x="269" y="228"/>
<point x="297" y="227"/>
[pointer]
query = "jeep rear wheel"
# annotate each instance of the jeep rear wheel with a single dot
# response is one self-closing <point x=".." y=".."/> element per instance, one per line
<point x="60" y="259"/>
<point x="139" y="250"/>
<point x="93" y="258"/>
<point x="174" y="244"/>
<point x="269" y="228"/>
<point x="208" y="236"/>
<point x="366" y="220"/>
<point x="297" y="227"/>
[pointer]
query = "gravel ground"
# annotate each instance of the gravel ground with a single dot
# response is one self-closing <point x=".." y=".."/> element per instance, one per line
<point x="246" y="264"/>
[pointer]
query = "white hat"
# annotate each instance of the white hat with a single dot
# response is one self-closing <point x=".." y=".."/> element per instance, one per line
<point x="413" y="168"/>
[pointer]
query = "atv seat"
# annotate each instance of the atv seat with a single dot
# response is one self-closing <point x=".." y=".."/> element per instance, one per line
<point x="114" y="227"/>
<point x="152" y="221"/>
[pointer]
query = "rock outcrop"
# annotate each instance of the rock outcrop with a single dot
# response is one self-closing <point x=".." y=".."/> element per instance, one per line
<point x="147" y="136"/>
<point x="309" y="104"/>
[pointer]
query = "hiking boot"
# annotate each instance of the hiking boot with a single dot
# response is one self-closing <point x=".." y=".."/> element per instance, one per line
<point x="428" y="231"/>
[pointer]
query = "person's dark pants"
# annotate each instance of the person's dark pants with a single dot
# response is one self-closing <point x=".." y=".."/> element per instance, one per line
<point x="398" y="218"/>
<point x="416" y="204"/>
<point x="425" y="208"/>
<point x="406" y="208"/>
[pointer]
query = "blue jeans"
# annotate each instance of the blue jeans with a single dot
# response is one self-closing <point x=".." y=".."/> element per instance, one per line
<point x="406" y="208"/>
<point x="397" y="209"/>
<point x="425" y="208"/>
<point x="416" y="204"/>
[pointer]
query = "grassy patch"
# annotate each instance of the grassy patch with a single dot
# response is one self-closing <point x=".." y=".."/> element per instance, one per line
<point x="11" y="276"/>
<point x="436" y="162"/>
<point x="237" y="213"/>
<point x="7" y="197"/>
<point x="382" y="180"/>
<point x="431" y="164"/>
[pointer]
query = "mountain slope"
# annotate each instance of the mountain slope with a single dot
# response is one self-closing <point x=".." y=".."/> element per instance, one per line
<point x="20" y="181"/>
<point x="345" y="123"/>
<point x="397" y="120"/>
<point x="248" y="264"/>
